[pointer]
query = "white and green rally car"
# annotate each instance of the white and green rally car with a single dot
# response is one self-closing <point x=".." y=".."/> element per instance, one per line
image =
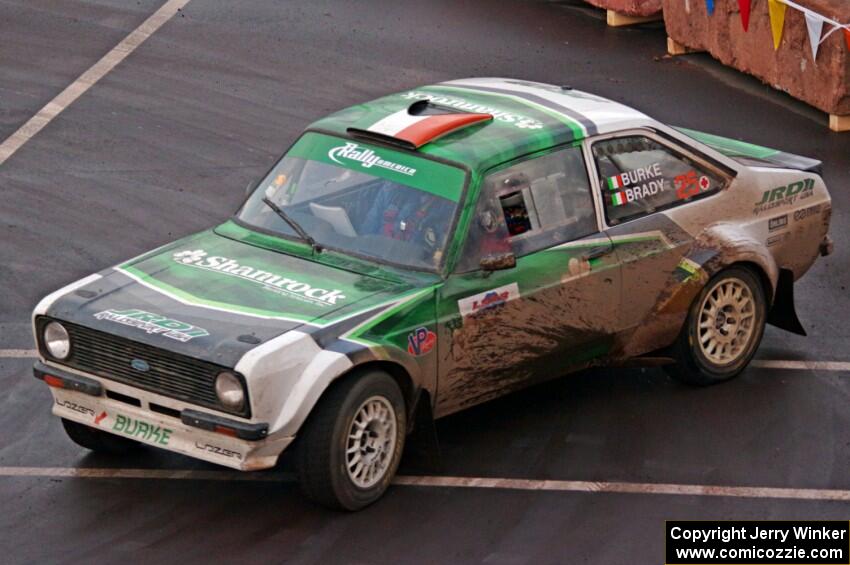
<point x="424" y="252"/>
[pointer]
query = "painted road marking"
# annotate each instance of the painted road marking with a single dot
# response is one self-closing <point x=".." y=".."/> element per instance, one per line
<point x="757" y="363"/>
<point x="89" y="78"/>
<point x="801" y="365"/>
<point x="450" y="482"/>
<point x="21" y="353"/>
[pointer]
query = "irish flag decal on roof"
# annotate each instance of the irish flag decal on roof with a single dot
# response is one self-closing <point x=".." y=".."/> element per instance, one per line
<point x="420" y="129"/>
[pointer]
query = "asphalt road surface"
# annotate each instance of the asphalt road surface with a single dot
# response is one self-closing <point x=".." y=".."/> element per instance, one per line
<point x="164" y="144"/>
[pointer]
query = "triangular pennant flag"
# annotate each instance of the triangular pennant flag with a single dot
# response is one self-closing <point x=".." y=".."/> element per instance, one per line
<point x="709" y="4"/>
<point x="814" y="24"/>
<point x="744" y="6"/>
<point x="777" y="20"/>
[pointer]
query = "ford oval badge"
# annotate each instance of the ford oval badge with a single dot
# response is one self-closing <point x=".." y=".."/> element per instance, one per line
<point x="140" y="365"/>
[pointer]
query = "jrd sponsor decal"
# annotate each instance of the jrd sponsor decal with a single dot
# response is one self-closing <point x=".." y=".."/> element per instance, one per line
<point x="153" y="324"/>
<point x="784" y="195"/>
<point x="199" y="259"/>
<point x="367" y="158"/>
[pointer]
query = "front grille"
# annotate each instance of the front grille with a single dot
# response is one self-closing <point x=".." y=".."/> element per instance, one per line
<point x="170" y="374"/>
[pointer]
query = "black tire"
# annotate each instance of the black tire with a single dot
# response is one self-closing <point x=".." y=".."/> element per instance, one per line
<point x="324" y="438"/>
<point x="98" y="440"/>
<point x="694" y="366"/>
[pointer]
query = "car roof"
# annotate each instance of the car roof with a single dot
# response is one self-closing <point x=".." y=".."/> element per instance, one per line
<point x="527" y="117"/>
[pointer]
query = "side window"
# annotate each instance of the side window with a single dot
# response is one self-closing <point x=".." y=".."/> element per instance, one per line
<point x="640" y="176"/>
<point x="531" y="206"/>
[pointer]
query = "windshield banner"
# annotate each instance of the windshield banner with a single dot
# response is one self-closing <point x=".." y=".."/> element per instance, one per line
<point x="424" y="174"/>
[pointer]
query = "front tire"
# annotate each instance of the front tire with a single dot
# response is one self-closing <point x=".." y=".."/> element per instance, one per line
<point x="351" y="445"/>
<point x="98" y="440"/>
<point x="723" y="330"/>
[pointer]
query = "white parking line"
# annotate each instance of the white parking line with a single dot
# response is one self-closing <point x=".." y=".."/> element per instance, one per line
<point x="450" y="482"/>
<point x="809" y="365"/>
<point x="20" y="353"/>
<point x="89" y="78"/>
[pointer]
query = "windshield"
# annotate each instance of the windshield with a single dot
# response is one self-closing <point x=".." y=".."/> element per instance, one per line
<point x="367" y="200"/>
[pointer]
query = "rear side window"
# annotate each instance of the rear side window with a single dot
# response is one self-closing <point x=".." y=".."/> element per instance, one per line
<point x="639" y="176"/>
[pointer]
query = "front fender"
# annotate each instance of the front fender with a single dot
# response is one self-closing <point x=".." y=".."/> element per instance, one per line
<point x="286" y="376"/>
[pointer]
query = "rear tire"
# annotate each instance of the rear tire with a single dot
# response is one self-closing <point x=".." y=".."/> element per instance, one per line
<point x="351" y="445"/>
<point x="98" y="440"/>
<point x="723" y="330"/>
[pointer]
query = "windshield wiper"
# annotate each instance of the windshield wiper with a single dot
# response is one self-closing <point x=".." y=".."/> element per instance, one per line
<point x="293" y="224"/>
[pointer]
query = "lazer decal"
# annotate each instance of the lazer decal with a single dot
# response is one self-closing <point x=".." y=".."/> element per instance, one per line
<point x="203" y="446"/>
<point x="73" y="406"/>
<point x="806" y="212"/>
<point x="367" y="158"/>
<point x="153" y="324"/>
<point x="784" y="195"/>
<point x="488" y="300"/>
<point x="779" y="222"/>
<point x="522" y="122"/>
<point x="280" y="284"/>
<point x="139" y="429"/>
<point x="421" y="341"/>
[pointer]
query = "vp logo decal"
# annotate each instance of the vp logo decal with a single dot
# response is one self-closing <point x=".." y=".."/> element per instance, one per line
<point x="421" y="341"/>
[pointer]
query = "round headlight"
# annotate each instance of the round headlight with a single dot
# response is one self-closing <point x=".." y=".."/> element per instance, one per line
<point x="229" y="390"/>
<point x="56" y="340"/>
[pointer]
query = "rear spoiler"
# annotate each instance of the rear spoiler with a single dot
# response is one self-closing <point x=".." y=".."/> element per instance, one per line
<point x="755" y="155"/>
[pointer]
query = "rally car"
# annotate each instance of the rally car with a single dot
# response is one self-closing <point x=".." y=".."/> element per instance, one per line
<point x="419" y="254"/>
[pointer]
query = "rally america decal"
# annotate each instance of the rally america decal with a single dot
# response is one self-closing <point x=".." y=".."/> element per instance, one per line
<point x="281" y="284"/>
<point x="635" y="185"/>
<point x="367" y="159"/>
<point x="153" y="324"/>
<point x="517" y="120"/>
<point x="488" y="300"/>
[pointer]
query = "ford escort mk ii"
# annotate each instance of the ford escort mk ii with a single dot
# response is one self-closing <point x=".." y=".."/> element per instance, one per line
<point x="419" y="254"/>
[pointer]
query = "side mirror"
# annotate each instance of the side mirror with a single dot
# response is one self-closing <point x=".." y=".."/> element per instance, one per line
<point x="498" y="262"/>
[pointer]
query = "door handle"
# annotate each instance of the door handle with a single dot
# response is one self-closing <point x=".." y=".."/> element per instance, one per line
<point x="597" y="252"/>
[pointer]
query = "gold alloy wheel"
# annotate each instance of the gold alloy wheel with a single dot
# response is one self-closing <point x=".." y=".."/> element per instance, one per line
<point x="371" y="442"/>
<point x="726" y="321"/>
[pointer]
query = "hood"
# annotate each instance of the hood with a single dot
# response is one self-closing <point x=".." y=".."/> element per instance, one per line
<point x="214" y="298"/>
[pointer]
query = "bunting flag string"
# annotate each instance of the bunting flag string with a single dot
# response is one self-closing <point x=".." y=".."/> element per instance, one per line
<point x="776" y="10"/>
<point x="744" y="7"/>
<point x="814" y="25"/>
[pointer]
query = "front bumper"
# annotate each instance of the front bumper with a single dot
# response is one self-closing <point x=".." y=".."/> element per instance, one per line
<point x="85" y="399"/>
